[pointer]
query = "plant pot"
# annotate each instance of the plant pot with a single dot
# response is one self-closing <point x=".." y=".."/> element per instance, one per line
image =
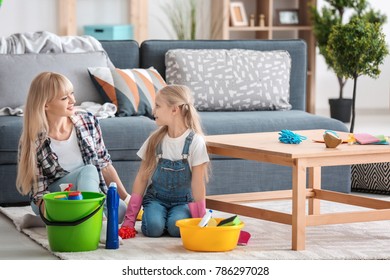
<point x="340" y="109"/>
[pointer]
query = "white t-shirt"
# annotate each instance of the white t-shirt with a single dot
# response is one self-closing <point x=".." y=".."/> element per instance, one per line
<point x="172" y="149"/>
<point x="68" y="152"/>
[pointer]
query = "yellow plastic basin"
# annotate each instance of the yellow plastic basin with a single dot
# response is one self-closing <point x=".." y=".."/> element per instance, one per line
<point x="208" y="239"/>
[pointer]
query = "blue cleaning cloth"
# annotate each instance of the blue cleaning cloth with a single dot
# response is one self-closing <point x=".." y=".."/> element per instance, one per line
<point x="289" y="137"/>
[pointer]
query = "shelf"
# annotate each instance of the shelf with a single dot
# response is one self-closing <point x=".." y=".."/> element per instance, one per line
<point x="138" y="17"/>
<point x="222" y="29"/>
<point x="295" y="28"/>
<point x="273" y="28"/>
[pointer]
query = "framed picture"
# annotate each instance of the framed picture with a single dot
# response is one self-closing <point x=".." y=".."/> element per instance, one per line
<point x="287" y="17"/>
<point x="237" y="14"/>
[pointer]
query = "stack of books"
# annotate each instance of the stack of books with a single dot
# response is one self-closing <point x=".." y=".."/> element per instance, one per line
<point x="369" y="139"/>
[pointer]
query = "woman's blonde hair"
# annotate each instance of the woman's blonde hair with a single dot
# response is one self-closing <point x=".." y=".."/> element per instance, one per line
<point x="44" y="88"/>
<point x="173" y="95"/>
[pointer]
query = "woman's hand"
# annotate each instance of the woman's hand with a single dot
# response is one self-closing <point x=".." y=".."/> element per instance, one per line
<point x="110" y="175"/>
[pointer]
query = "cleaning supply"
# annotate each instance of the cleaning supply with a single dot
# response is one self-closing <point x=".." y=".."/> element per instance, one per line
<point x="61" y="197"/>
<point x="212" y="223"/>
<point x="288" y="137"/>
<point x="66" y="187"/>
<point x="208" y="239"/>
<point x="231" y="221"/>
<point x="206" y="219"/>
<point x="73" y="226"/>
<point x="112" y="240"/>
<point x="76" y="195"/>
<point x="331" y="139"/>
<point x="243" y="238"/>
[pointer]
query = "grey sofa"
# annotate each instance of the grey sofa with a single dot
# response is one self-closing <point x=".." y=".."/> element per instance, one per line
<point x="124" y="135"/>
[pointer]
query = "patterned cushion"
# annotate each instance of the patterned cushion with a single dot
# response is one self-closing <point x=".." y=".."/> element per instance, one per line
<point x="232" y="80"/>
<point x="371" y="178"/>
<point x="132" y="90"/>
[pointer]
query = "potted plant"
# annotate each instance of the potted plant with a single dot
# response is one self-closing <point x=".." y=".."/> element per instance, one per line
<point x="323" y="23"/>
<point x="357" y="48"/>
<point x="181" y="19"/>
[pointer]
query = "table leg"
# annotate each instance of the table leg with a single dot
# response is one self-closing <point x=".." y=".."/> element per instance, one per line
<point x="298" y="206"/>
<point x="315" y="184"/>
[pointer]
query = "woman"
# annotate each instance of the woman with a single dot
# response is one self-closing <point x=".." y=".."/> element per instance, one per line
<point x="59" y="145"/>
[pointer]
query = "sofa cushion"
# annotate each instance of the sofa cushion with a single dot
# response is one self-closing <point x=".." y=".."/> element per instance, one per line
<point x="133" y="91"/>
<point x="232" y="80"/>
<point x="18" y="70"/>
<point x="265" y="121"/>
<point x="10" y="131"/>
<point x="122" y="136"/>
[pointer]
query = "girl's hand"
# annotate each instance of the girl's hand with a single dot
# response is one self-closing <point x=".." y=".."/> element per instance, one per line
<point x="127" y="232"/>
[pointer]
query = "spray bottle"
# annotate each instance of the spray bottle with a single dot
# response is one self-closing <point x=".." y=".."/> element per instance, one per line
<point x="206" y="218"/>
<point x="112" y="238"/>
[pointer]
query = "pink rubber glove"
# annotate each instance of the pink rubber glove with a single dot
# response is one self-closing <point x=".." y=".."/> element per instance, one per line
<point x="197" y="209"/>
<point x="131" y="214"/>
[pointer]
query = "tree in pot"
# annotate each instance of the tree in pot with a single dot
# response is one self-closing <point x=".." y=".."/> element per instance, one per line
<point x="357" y="48"/>
<point x="323" y="21"/>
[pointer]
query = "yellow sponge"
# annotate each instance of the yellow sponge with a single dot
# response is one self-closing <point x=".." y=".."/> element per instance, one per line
<point x="232" y="221"/>
<point x="139" y="216"/>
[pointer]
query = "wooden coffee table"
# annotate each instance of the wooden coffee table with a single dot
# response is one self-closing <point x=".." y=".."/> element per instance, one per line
<point x="308" y="156"/>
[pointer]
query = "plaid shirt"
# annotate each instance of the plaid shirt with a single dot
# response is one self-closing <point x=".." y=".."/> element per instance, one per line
<point x="93" y="151"/>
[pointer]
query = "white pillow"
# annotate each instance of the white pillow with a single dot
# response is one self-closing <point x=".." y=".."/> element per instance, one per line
<point x="232" y="80"/>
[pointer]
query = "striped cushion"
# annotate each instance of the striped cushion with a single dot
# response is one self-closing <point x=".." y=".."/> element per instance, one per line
<point x="132" y="90"/>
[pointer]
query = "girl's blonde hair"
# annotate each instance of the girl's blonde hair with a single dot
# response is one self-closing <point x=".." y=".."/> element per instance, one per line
<point x="173" y="95"/>
<point x="45" y="87"/>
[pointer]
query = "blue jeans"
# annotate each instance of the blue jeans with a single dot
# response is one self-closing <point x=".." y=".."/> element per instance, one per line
<point x="159" y="216"/>
<point x="85" y="179"/>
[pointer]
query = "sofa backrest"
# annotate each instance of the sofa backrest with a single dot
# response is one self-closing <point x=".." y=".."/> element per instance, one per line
<point x="123" y="54"/>
<point x="152" y="53"/>
<point x="17" y="71"/>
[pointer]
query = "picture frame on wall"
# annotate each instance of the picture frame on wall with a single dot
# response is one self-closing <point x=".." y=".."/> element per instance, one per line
<point x="287" y="17"/>
<point x="238" y="14"/>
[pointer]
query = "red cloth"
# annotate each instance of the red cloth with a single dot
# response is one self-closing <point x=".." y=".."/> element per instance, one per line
<point x="127" y="232"/>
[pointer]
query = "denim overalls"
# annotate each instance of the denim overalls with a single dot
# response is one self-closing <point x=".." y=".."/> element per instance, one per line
<point x="167" y="197"/>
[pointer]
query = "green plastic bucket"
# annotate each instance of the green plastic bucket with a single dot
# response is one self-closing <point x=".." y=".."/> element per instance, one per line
<point x="73" y="225"/>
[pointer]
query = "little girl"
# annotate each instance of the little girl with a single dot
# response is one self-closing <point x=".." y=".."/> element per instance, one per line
<point x="174" y="167"/>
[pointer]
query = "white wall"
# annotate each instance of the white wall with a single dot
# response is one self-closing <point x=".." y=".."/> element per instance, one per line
<point x="26" y="16"/>
<point x="371" y="93"/>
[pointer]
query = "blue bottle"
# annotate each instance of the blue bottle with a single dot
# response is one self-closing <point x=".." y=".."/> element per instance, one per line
<point x="112" y="238"/>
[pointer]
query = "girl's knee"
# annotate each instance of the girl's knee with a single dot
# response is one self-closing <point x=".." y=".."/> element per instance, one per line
<point x="152" y="230"/>
<point x="152" y="226"/>
<point x="173" y="230"/>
